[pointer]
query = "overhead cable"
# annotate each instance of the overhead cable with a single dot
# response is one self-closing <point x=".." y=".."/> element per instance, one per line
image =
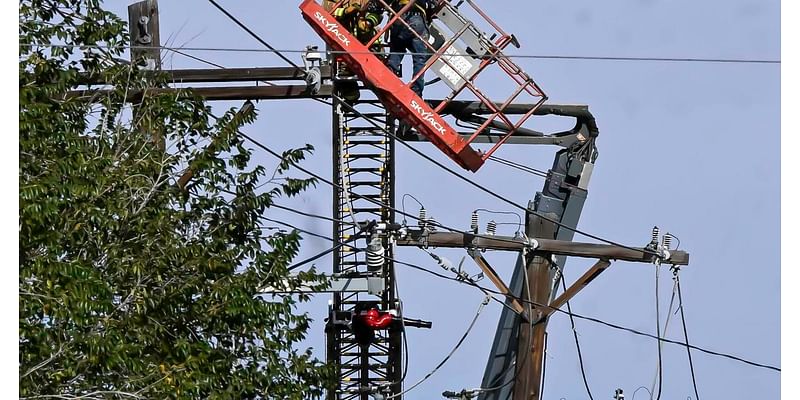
<point x="253" y="34"/>
<point x="483" y="304"/>
<point x="685" y="334"/>
<point x="480" y="187"/>
<point x="280" y="52"/>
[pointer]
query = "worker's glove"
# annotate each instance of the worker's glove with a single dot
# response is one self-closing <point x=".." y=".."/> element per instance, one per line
<point x="351" y="10"/>
<point x="364" y="25"/>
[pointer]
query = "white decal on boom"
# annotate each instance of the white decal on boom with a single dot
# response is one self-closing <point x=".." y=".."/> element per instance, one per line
<point x="427" y="117"/>
<point x="332" y="27"/>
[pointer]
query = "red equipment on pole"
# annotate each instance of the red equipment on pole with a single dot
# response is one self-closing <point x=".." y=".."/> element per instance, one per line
<point x="373" y="319"/>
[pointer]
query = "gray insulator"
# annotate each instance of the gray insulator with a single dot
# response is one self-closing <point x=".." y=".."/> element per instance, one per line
<point x="314" y="79"/>
<point x="667" y="241"/>
<point x="654" y="241"/>
<point x="473" y="223"/>
<point x="423" y="217"/>
<point x="375" y="253"/>
<point x="491" y="227"/>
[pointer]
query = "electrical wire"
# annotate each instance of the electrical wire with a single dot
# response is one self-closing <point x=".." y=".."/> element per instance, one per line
<point x="666" y="327"/>
<point x="579" y="316"/>
<point x="482" y="188"/>
<point x="658" y="333"/>
<point x="640" y="388"/>
<point x="483" y="304"/>
<point x="356" y="195"/>
<point x="519" y="218"/>
<point x="403" y="327"/>
<point x="685" y="334"/>
<point x="336" y="52"/>
<point x="317" y="235"/>
<point x="292" y="210"/>
<point x="577" y="344"/>
<point x="321" y="254"/>
<point x="610" y="325"/>
<point x="516" y="205"/>
<point x="254" y="35"/>
<point x="599" y="321"/>
<point x="403" y="204"/>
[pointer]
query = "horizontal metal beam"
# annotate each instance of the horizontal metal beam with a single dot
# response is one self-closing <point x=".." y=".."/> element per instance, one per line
<point x="557" y="247"/>
<point x="242" y="74"/>
<point x="218" y="93"/>
<point x="371" y="285"/>
<point x="224" y="75"/>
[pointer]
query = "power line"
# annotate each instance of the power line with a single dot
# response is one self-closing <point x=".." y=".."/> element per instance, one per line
<point x="601" y="322"/>
<point x="292" y="210"/>
<point x="484" y="302"/>
<point x="280" y="52"/>
<point x="506" y="200"/>
<point x="685" y="334"/>
<point x="482" y="188"/>
<point x="577" y="343"/>
<point x="317" y="235"/>
<point x="658" y="333"/>
<point x="253" y="34"/>
<point x="569" y="313"/>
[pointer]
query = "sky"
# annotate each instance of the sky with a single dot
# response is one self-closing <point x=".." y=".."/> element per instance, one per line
<point x="690" y="147"/>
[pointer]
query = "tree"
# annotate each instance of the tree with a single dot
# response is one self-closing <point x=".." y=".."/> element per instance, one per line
<point x="131" y="286"/>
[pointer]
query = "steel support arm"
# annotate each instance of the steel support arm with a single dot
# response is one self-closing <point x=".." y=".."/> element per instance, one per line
<point x="217" y="93"/>
<point x="263" y="74"/>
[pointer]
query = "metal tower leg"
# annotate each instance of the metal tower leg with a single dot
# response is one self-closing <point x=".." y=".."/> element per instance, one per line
<point x="363" y="166"/>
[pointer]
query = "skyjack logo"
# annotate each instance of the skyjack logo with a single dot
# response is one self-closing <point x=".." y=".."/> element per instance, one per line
<point x="428" y="117"/>
<point x="332" y="28"/>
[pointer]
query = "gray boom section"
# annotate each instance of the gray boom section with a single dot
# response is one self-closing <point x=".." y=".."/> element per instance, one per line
<point x="563" y="196"/>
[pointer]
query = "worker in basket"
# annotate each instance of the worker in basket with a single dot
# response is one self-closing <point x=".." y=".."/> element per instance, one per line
<point x="362" y="19"/>
<point x="402" y="39"/>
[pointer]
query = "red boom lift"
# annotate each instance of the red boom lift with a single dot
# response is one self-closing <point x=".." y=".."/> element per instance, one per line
<point x="460" y="52"/>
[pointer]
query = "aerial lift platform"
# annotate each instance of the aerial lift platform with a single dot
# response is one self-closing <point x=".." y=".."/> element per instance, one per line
<point x="459" y="50"/>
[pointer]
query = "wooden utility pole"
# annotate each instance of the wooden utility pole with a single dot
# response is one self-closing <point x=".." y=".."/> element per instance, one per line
<point x="530" y="342"/>
<point x="145" y="54"/>
<point x="145" y="38"/>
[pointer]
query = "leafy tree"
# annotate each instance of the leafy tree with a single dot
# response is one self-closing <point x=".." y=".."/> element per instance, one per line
<point x="131" y="286"/>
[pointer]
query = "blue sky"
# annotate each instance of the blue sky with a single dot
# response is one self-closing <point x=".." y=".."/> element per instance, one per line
<point x="691" y="147"/>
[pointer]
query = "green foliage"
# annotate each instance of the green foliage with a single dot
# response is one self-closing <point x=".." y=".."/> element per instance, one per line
<point x="128" y="285"/>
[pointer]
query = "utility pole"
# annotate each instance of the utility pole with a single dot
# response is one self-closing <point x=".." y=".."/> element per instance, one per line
<point x="367" y="358"/>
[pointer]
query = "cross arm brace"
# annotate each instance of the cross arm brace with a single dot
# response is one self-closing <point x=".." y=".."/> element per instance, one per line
<point x="498" y="282"/>
<point x="573" y="290"/>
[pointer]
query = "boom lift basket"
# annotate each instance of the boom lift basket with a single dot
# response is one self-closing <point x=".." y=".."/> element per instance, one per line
<point x="459" y="52"/>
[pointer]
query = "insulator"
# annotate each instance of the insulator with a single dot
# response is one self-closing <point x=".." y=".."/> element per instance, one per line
<point x="375" y="254"/>
<point x="667" y="241"/>
<point x="473" y="222"/>
<point x="654" y="241"/>
<point x="491" y="227"/>
<point x="423" y="217"/>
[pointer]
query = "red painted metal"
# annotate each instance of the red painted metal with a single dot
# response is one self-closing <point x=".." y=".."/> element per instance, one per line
<point x="402" y="102"/>
<point x="397" y="96"/>
<point x="374" y="320"/>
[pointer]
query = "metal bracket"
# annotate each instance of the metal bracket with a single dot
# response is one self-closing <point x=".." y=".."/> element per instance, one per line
<point x="144" y="31"/>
